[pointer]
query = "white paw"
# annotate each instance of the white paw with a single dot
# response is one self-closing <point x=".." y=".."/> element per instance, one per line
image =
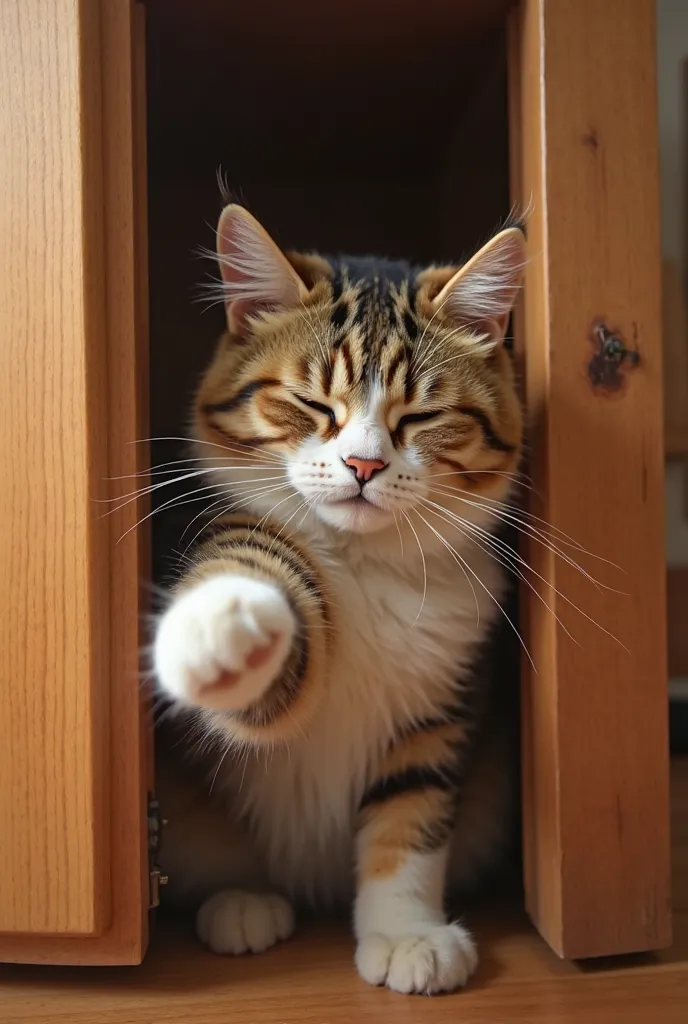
<point x="222" y="643"/>
<point x="439" y="958"/>
<point x="242" y="922"/>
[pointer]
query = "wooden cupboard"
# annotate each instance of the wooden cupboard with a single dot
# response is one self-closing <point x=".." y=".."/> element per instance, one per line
<point x="409" y="130"/>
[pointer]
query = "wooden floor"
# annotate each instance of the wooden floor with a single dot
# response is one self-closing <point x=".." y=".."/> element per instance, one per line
<point x="311" y="980"/>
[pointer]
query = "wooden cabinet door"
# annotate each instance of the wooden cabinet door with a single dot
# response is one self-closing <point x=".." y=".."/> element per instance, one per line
<point x="585" y="160"/>
<point x="73" y="758"/>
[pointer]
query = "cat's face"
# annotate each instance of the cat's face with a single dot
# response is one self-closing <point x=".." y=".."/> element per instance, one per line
<point x="365" y="393"/>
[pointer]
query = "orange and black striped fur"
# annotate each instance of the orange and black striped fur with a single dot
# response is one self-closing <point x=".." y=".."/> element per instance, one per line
<point x="326" y="648"/>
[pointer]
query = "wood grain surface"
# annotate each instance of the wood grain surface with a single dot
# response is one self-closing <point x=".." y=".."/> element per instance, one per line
<point x="595" y="707"/>
<point x="54" y="599"/>
<point x="73" y="743"/>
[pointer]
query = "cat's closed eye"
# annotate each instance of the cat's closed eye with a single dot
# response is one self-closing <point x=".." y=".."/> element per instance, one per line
<point x="418" y="417"/>
<point x="318" y="407"/>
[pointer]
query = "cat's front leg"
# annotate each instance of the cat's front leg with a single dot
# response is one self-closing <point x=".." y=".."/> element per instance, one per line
<point x="245" y="638"/>
<point x="246" y="633"/>
<point x="404" y="939"/>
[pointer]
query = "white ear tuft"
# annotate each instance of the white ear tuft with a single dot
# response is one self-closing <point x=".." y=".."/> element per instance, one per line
<point x="482" y="293"/>
<point x="255" y="273"/>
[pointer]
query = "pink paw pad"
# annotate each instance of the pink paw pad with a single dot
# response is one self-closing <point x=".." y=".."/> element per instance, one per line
<point x="257" y="658"/>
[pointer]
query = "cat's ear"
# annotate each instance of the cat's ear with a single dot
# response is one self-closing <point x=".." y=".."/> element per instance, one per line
<point x="256" y="275"/>
<point x="482" y="293"/>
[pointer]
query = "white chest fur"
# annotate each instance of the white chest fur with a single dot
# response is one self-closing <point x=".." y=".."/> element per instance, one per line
<point x="391" y="663"/>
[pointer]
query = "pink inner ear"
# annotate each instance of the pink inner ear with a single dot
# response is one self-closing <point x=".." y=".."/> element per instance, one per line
<point x="229" y="250"/>
<point x="502" y="323"/>
<point x="255" y="273"/>
<point x="239" y="312"/>
<point x="244" y="258"/>
<point x="482" y="293"/>
<point x="492" y="329"/>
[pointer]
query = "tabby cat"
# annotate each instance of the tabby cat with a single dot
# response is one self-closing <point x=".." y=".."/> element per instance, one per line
<point x="323" y="648"/>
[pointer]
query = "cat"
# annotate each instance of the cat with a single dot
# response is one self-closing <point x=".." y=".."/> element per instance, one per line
<point x="325" y="648"/>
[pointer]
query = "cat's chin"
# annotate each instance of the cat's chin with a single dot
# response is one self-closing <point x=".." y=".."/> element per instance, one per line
<point x="355" y="516"/>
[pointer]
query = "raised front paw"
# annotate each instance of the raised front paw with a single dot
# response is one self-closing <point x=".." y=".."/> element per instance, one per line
<point x="222" y="643"/>
<point x="243" y="922"/>
<point x="439" y="958"/>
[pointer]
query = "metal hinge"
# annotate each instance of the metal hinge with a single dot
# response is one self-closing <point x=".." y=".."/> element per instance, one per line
<point x="156" y="878"/>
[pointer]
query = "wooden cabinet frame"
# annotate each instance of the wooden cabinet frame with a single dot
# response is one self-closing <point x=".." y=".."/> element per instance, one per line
<point x="74" y="753"/>
<point x="74" y="757"/>
<point x="585" y="160"/>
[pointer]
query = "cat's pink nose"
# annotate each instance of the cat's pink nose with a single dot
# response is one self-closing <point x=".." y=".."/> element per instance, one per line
<point x="364" y="469"/>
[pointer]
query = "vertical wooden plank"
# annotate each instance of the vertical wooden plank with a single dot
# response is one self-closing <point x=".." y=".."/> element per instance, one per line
<point x="126" y="252"/>
<point x="54" y="816"/>
<point x="140" y="423"/>
<point x="595" y="761"/>
<point x="115" y="79"/>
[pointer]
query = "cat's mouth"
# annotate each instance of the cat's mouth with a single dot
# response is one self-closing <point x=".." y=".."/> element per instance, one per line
<point x="356" y="513"/>
<point x="358" y="499"/>
<point x="359" y="506"/>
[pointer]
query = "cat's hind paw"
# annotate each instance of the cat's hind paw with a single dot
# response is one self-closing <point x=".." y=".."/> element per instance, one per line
<point x="243" y="922"/>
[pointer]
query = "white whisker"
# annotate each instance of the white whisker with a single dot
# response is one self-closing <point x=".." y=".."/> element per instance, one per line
<point x="516" y="478"/>
<point x="298" y="508"/>
<point x="425" y="569"/>
<point x="491" y="542"/>
<point x="436" y="366"/>
<point x="514" y="557"/>
<point x="217" y="770"/>
<point x="421" y="373"/>
<point x="459" y="561"/>
<point x="267" y="515"/>
<point x="224" y="511"/>
<point x="242" y="449"/>
<point x="147" y="491"/>
<point x="144" y="491"/>
<point x="564" y="537"/>
<point x="528" y="530"/>
<point x="251" y="494"/>
<point x="189" y="496"/>
<point x="494" y="599"/>
<point x="425" y="330"/>
<point x="401" y="539"/>
<point x="159" y="469"/>
<point x="306" y="319"/>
